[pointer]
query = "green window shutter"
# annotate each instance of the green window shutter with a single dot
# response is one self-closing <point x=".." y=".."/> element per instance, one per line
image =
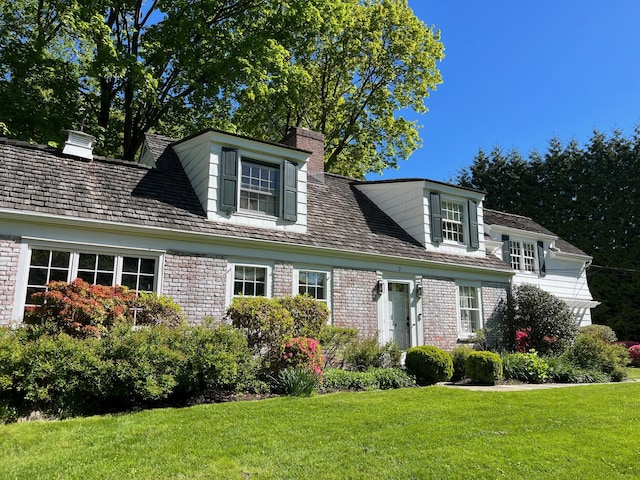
<point x="290" y="201"/>
<point x="229" y="180"/>
<point x="474" y="241"/>
<point x="506" y="250"/>
<point x="435" y="212"/>
<point x="542" y="269"/>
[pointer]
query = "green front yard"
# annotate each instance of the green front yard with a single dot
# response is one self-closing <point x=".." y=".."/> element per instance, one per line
<point x="432" y="432"/>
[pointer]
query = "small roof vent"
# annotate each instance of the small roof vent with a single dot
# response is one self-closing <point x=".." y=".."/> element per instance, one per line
<point x="79" y="144"/>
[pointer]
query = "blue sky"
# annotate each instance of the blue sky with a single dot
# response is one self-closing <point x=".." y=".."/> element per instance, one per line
<point x="518" y="72"/>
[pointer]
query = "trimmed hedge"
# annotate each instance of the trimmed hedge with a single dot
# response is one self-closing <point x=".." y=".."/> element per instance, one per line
<point x="429" y="364"/>
<point x="335" y="380"/>
<point x="484" y="367"/>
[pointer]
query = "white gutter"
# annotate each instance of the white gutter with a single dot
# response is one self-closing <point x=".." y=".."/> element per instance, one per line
<point x="176" y="234"/>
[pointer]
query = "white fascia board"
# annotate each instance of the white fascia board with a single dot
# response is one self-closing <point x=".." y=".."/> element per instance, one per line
<point x="452" y="190"/>
<point x="570" y="257"/>
<point x="269" y="149"/>
<point x="203" y="237"/>
<point x="521" y="233"/>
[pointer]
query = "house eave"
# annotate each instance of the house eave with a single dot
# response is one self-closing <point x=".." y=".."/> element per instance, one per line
<point x="47" y="219"/>
<point x="521" y="233"/>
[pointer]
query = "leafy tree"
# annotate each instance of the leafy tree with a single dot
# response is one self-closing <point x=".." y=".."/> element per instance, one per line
<point x="121" y="68"/>
<point x="587" y="195"/>
<point x="349" y="80"/>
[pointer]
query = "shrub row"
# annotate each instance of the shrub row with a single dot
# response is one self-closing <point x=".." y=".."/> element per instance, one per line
<point x="126" y="369"/>
<point x="373" y="379"/>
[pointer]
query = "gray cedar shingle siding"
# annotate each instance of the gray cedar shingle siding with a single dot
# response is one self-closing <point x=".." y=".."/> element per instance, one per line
<point x="41" y="179"/>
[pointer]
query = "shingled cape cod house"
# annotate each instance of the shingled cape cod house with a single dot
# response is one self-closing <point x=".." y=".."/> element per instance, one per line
<point x="215" y="215"/>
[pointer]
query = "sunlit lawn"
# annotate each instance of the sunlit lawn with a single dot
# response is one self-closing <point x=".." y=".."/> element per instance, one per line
<point x="433" y="432"/>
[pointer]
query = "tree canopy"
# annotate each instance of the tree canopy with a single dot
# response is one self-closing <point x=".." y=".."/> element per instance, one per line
<point x="587" y="195"/>
<point x="118" y="69"/>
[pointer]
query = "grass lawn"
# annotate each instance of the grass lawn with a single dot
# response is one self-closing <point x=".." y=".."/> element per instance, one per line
<point x="433" y="432"/>
<point x="634" y="373"/>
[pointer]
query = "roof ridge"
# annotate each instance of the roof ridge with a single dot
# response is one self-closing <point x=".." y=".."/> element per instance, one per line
<point x="508" y="213"/>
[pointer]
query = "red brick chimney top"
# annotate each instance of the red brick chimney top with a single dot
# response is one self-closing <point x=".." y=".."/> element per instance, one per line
<point x="305" y="139"/>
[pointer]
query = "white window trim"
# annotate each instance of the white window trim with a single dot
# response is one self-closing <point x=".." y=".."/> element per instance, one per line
<point x="327" y="273"/>
<point x="521" y="261"/>
<point x="29" y="244"/>
<point x="231" y="277"/>
<point x="279" y="166"/>
<point x="466" y="335"/>
<point x="465" y="220"/>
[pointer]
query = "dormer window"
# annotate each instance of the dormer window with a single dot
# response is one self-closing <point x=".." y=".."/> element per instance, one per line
<point x="259" y="188"/>
<point x="452" y="221"/>
<point x="524" y="255"/>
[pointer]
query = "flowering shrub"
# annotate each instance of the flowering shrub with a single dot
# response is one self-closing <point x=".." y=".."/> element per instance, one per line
<point x="634" y="353"/>
<point x="80" y="309"/>
<point x="303" y="353"/>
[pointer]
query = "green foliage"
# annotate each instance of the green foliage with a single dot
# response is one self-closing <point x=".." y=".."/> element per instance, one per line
<point x="429" y="364"/>
<point x="364" y="353"/>
<point x="309" y="315"/>
<point x="153" y="309"/>
<point x="270" y="322"/>
<point x="334" y="341"/>
<point x="526" y="367"/>
<point x="566" y="190"/>
<point x="296" y="382"/>
<point x="547" y="321"/>
<point x="483" y="367"/>
<point x="343" y="67"/>
<point x="459" y="357"/>
<point x="563" y="371"/>
<point x="335" y="380"/>
<point x="80" y="309"/>
<point x="590" y="352"/>
<point x="602" y="332"/>
<point x="63" y="375"/>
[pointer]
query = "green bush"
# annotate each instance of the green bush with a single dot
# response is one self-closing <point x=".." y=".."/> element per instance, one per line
<point x="603" y="332"/>
<point x="153" y="309"/>
<point x="562" y="371"/>
<point x="591" y="352"/>
<point x="525" y="367"/>
<point x="547" y="321"/>
<point x="484" y="367"/>
<point x="429" y="364"/>
<point x="335" y="341"/>
<point x="373" y="379"/>
<point x="364" y="353"/>
<point x="296" y="382"/>
<point x="309" y="315"/>
<point x="459" y="357"/>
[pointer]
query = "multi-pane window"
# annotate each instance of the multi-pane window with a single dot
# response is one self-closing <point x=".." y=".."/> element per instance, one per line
<point x="259" y="188"/>
<point x="249" y="281"/>
<point x="469" y="309"/>
<point x="48" y="265"/>
<point x="452" y="221"/>
<point x="313" y="283"/>
<point x="522" y="255"/>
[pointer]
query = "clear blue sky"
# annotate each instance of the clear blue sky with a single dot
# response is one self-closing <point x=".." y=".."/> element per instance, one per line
<point x="518" y="72"/>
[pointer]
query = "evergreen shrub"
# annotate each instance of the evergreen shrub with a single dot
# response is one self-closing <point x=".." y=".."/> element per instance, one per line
<point x="484" y="367"/>
<point x="429" y="364"/>
<point x="525" y="367"/>
<point x="459" y="357"/>
<point x="364" y="353"/>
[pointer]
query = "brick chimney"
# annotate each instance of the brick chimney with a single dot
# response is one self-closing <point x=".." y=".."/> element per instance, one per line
<point x="305" y="139"/>
<point x="79" y="144"/>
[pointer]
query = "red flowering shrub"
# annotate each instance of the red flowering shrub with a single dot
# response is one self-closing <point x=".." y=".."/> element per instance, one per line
<point x="79" y="308"/>
<point x="634" y="353"/>
<point x="303" y="353"/>
<point x="522" y="340"/>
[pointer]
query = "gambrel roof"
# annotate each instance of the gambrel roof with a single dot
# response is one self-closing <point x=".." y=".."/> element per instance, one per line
<point x="41" y="180"/>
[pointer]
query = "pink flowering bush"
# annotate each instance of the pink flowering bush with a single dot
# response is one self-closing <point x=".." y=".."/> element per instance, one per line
<point x="634" y="353"/>
<point x="303" y="353"/>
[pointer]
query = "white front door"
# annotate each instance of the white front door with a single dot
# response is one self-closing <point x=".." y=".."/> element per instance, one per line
<point x="399" y="314"/>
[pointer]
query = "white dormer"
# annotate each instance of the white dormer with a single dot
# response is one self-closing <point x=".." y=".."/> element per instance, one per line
<point x="442" y="217"/>
<point x="245" y="181"/>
